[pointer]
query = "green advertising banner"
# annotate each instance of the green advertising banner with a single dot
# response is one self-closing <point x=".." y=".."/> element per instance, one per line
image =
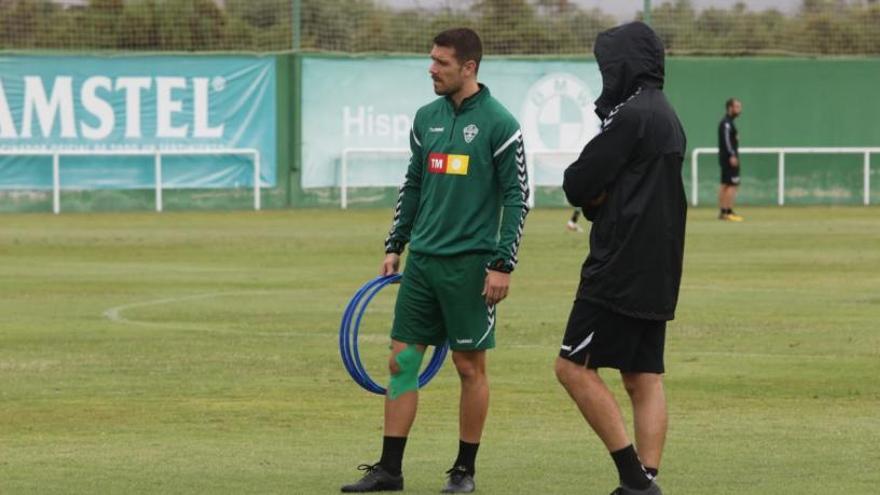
<point x="104" y="119"/>
<point x="362" y="109"/>
<point x="360" y="104"/>
<point x="790" y="103"/>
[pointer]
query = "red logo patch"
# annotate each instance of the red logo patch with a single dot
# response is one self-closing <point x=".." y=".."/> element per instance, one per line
<point x="437" y="163"/>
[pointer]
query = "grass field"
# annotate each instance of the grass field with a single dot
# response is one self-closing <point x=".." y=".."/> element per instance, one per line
<point x="196" y="353"/>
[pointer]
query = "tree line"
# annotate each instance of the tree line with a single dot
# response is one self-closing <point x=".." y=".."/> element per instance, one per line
<point x="508" y="27"/>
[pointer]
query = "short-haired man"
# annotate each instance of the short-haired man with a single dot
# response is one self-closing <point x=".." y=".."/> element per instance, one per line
<point x="628" y="182"/>
<point x="728" y="158"/>
<point x="462" y="208"/>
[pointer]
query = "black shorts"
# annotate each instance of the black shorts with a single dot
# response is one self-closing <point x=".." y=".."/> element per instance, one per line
<point x="729" y="175"/>
<point x="599" y="338"/>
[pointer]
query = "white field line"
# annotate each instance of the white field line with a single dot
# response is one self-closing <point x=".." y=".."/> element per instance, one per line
<point x="115" y="314"/>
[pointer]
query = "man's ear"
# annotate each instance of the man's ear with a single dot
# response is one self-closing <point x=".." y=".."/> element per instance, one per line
<point x="470" y="66"/>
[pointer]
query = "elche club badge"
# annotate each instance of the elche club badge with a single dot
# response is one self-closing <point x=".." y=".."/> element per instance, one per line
<point x="470" y="132"/>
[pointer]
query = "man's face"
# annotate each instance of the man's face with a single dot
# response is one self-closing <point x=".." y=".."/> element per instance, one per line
<point x="735" y="108"/>
<point x="448" y="74"/>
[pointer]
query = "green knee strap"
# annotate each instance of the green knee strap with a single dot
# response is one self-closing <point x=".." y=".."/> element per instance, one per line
<point x="409" y="361"/>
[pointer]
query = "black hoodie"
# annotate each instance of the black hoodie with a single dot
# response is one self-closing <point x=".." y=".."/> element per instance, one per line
<point x="628" y="182"/>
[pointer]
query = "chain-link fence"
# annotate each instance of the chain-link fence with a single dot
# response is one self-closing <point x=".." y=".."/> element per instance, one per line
<point x="508" y="27"/>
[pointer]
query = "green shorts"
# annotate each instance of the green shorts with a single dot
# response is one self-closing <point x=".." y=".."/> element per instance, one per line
<point x="440" y="301"/>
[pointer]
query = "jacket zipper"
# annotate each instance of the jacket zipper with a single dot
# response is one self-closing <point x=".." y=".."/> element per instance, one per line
<point x="452" y="130"/>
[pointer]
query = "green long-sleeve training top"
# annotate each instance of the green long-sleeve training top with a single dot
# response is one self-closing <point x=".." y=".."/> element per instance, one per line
<point x="466" y="188"/>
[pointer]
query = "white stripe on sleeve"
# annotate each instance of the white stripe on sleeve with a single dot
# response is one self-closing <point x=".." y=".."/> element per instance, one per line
<point x="510" y="141"/>
<point x="413" y="131"/>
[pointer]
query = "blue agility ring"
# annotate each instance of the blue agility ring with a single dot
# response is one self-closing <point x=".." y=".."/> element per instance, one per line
<point x="348" y="338"/>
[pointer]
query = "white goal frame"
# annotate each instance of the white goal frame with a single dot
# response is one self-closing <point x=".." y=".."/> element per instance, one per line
<point x="157" y="155"/>
<point x="780" y="166"/>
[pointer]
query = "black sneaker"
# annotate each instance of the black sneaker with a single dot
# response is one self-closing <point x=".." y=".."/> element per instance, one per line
<point x="459" y="481"/>
<point x="376" y="479"/>
<point x="653" y="489"/>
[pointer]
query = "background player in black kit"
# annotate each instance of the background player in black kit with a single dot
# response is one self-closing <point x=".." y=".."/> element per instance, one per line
<point x="728" y="158"/>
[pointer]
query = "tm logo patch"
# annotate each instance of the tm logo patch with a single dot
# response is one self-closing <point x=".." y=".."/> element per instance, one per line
<point x="441" y="163"/>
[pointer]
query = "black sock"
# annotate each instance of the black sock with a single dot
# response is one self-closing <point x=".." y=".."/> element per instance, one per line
<point x="728" y="211"/>
<point x="467" y="456"/>
<point x="652" y="472"/>
<point x="629" y="468"/>
<point x="392" y="454"/>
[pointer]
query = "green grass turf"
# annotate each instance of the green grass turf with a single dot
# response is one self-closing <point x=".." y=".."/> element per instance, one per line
<point x="197" y="353"/>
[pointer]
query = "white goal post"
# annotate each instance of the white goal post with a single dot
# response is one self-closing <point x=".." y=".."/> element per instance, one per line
<point x="345" y="166"/>
<point x="781" y="152"/>
<point x="157" y="155"/>
<point x="346" y="162"/>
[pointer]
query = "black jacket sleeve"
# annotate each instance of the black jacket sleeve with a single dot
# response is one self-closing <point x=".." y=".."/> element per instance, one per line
<point x="602" y="159"/>
<point x="726" y="139"/>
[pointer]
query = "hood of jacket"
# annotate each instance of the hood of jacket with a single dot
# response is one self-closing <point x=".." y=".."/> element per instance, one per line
<point x="629" y="56"/>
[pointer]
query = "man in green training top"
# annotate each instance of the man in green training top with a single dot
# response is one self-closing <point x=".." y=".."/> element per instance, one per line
<point x="462" y="208"/>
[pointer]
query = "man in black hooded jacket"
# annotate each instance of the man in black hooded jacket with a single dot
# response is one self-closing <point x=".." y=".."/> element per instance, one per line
<point x="628" y="182"/>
